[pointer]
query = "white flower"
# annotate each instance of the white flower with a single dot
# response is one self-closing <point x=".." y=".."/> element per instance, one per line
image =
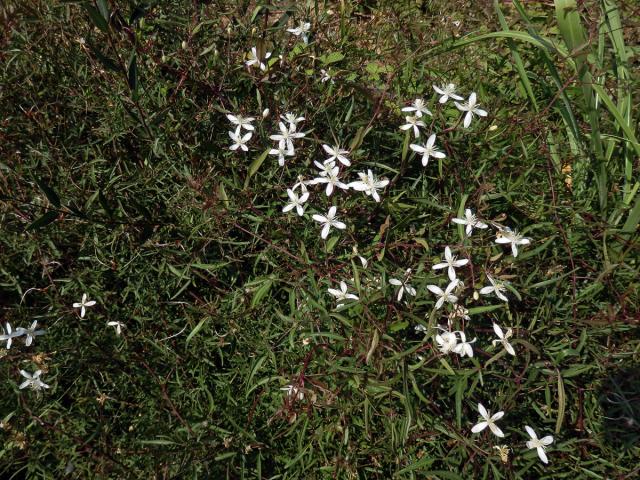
<point x="447" y="342"/>
<point x="488" y="421"/>
<point x="325" y="76"/>
<point x="292" y="119"/>
<point x="464" y="347"/>
<point x="342" y="295"/>
<point x="404" y="285"/>
<point x="419" y="107"/>
<point x="514" y="238"/>
<point x="427" y="150"/>
<point x="296" y="201"/>
<point x="30" y="332"/>
<point x="265" y="113"/>
<point x="301" y="30"/>
<point x="329" y="221"/>
<point x="504" y="339"/>
<point x="240" y="141"/>
<point x="444" y="296"/>
<point x="471" y="107"/>
<point x="293" y="391"/>
<point x="117" y="325"/>
<point x="451" y="263"/>
<point x="446" y="92"/>
<point x="281" y="153"/>
<point x="324" y="168"/>
<point x="470" y="220"/>
<point x="285" y="137"/>
<point x="241" y="122"/>
<point x="496" y="287"/>
<point x="10" y="334"/>
<point x="254" y="60"/>
<point x="32" y="381"/>
<point x="538" y="443"/>
<point x="369" y="184"/>
<point x="83" y="304"/>
<point x="420" y="328"/>
<point x="331" y="179"/>
<point x="413" y="122"/>
<point x="336" y="153"/>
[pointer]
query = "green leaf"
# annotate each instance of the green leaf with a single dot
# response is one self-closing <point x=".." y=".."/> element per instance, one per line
<point x="52" y="196"/>
<point x="330" y="58"/>
<point x="132" y="76"/>
<point x="255" y="166"/>
<point x="44" y="220"/>
<point x="96" y="17"/>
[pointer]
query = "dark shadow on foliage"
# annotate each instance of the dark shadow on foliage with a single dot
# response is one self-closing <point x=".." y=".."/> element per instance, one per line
<point x="620" y="403"/>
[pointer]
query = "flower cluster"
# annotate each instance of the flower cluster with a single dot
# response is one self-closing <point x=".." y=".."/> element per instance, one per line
<point x="30" y="333"/>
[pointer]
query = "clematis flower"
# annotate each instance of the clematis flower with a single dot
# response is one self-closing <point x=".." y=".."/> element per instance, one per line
<point x="331" y="179"/>
<point x="302" y="30"/>
<point x="328" y="221"/>
<point x="504" y="339"/>
<point x="293" y="391"/>
<point x="292" y="119"/>
<point x="488" y="421"/>
<point x="30" y="332"/>
<point x="471" y="107"/>
<point x="255" y="60"/>
<point x="420" y="328"/>
<point x="419" y="107"/>
<point x="404" y="285"/>
<point x="464" y="348"/>
<point x="369" y="184"/>
<point x="296" y="201"/>
<point x="450" y="263"/>
<point x="281" y="153"/>
<point x="325" y="76"/>
<point x="9" y="335"/>
<point x="240" y="141"/>
<point x="342" y="295"/>
<point x="118" y="326"/>
<point x="286" y="136"/>
<point x="496" y="287"/>
<point x="538" y="443"/>
<point x="446" y="92"/>
<point x="413" y="122"/>
<point x="32" y="381"/>
<point x="470" y="220"/>
<point x="427" y="150"/>
<point x="514" y="238"/>
<point x="337" y="153"/>
<point x="444" y="295"/>
<point x="241" y="122"/>
<point x="83" y="304"/>
<point x="447" y="342"/>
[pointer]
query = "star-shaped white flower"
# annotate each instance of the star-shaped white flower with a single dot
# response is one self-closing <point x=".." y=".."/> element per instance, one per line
<point x="30" y="332"/>
<point x="369" y="184"/>
<point x="118" y="326"/>
<point x="292" y="119"/>
<point x="413" y="122"/>
<point x="239" y="141"/>
<point x="337" y="153"/>
<point x="293" y="391"/>
<point x="496" y="287"/>
<point x="281" y="153"/>
<point x="32" y="381"/>
<point x="504" y="339"/>
<point x="286" y="136"/>
<point x="418" y="106"/>
<point x="471" y="107"/>
<point x="445" y="295"/>
<point x="446" y="92"/>
<point x="241" y="122"/>
<point x="328" y="221"/>
<point x="9" y="334"/>
<point x="342" y="295"/>
<point x="488" y="421"/>
<point x="470" y="220"/>
<point x="83" y="304"/>
<point x="538" y="443"/>
<point x="404" y="285"/>
<point x="451" y="263"/>
<point x="255" y="60"/>
<point x="464" y="348"/>
<point x="331" y="179"/>
<point x="447" y="342"/>
<point x="301" y="30"/>
<point x="296" y="201"/>
<point x="427" y="150"/>
<point x="514" y="238"/>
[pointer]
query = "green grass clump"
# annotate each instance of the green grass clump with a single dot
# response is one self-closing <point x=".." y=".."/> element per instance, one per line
<point x="116" y="180"/>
